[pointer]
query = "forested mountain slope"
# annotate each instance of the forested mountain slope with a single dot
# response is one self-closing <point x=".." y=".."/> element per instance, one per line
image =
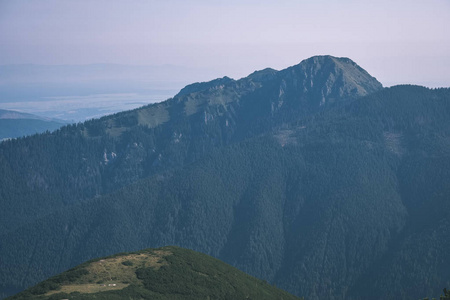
<point x="164" y="273"/>
<point x="347" y="199"/>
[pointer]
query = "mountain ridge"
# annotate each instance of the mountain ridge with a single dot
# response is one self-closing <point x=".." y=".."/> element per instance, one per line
<point x="310" y="67"/>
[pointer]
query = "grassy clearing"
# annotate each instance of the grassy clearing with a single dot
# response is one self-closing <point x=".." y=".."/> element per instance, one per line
<point x="88" y="288"/>
<point x="153" y="116"/>
<point x="119" y="271"/>
<point x="116" y="131"/>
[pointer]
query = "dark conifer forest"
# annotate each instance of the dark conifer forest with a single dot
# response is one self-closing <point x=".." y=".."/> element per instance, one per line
<point x="314" y="178"/>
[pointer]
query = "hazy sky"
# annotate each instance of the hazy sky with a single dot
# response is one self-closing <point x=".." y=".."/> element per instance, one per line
<point x="396" y="41"/>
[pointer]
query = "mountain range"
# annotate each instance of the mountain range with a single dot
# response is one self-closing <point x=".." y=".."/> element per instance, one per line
<point x="314" y="178"/>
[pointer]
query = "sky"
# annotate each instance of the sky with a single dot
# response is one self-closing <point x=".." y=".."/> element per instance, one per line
<point x="395" y="41"/>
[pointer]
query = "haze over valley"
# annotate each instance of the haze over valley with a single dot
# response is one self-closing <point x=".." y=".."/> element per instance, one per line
<point x="75" y="93"/>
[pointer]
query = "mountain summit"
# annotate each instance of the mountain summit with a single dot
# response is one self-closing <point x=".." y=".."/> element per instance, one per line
<point x="331" y="78"/>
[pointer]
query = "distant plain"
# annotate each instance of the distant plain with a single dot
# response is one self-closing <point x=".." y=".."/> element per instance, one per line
<point x="75" y="93"/>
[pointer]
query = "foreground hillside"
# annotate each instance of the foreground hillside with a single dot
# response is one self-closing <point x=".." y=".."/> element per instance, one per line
<point x="164" y="273"/>
<point x="312" y="178"/>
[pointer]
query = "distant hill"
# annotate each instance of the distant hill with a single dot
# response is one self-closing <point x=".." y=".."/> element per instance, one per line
<point x="15" y="124"/>
<point x="164" y="273"/>
<point x="314" y="178"/>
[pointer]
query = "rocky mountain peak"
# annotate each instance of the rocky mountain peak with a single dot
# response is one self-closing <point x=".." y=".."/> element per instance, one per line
<point x="331" y="78"/>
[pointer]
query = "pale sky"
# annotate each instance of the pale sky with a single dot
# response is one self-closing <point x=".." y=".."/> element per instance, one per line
<point x="405" y="41"/>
